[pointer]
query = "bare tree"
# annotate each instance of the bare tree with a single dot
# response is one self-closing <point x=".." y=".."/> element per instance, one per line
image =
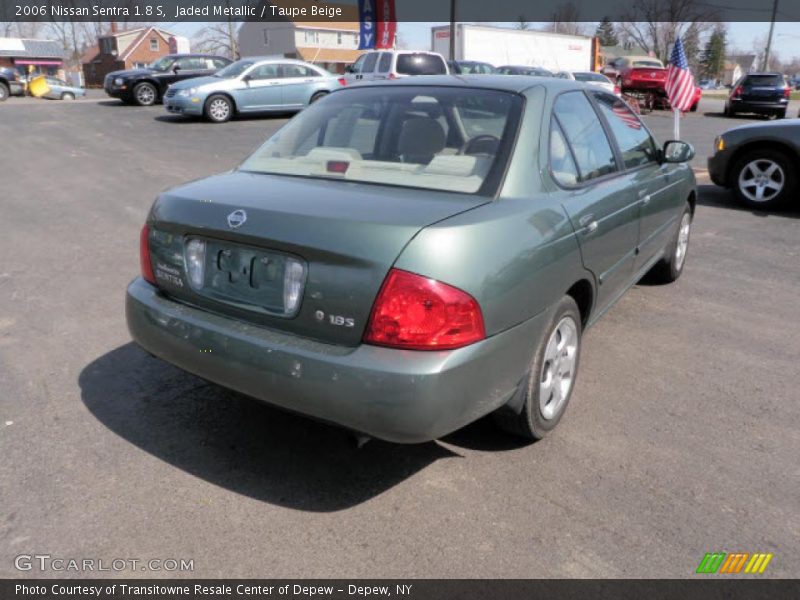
<point x="522" y="24"/>
<point x="216" y="38"/>
<point x="20" y="29"/>
<point x="566" y="19"/>
<point x="655" y="24"/>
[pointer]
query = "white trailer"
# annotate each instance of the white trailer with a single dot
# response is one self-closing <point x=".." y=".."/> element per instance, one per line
<point x="505" y="46"/>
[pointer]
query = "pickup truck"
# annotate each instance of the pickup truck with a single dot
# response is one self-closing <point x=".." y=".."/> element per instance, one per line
<point x="10" y="85"/>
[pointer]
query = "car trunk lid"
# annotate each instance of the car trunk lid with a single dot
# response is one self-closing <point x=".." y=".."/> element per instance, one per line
<point x="346" y="236"/>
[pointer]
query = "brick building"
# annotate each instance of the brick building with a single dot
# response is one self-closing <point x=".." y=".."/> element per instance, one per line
<point x="130" y="49"/>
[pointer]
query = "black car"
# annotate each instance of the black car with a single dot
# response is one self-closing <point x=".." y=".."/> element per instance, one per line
<point x="760" y="162"/>
<point x="147" y="86"/>
<point x="523" y="70"/>
<point x="760" y="93"/>
<point x="10" y="85"/>
<point x="470" y="67"/>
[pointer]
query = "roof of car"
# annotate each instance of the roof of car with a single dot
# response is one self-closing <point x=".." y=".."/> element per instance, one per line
<point x="510" y="83"/>
<point x="277" y="59"/>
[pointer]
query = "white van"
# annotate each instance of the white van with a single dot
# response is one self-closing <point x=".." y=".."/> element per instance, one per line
<point x="391" y="64"/>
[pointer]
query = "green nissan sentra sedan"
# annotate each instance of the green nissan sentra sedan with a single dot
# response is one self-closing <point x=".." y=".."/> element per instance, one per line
<point x="406" y="257"/>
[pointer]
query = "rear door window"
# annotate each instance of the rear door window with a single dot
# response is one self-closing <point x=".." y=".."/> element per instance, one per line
<point x="420" y="64"/>
<point x="369" y="63"/>
<point x="385" y="63"/>
<point x="764" y="80"/>
<point x="586" y="136"/>
<point x="633" y="139"/>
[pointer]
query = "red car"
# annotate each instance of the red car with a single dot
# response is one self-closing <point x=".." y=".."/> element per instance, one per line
<point x="644" y="75"/>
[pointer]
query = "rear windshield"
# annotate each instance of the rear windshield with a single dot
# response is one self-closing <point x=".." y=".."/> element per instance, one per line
<point x="765" y="80"/>
<point x="439" y="138"/>
<point x="591" y="77"/>
<point x="647" y="64"/>
<point x="420" y="64"/>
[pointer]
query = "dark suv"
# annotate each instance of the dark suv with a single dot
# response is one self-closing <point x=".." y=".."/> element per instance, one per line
<point x="760" y="93"/>
<point x="10" y="85"/>
<point x="147" y="86"/>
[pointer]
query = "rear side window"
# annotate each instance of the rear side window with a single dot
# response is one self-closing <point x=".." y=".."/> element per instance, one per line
<point x="764" y="80"/>
<point x="634" y="141"/>
<point x="369" y="62"/>
<point x="297" y="71"/>
<point x="562" y="164"/>
<point x="420" y="64"/>
<point x="385" y="64"/>
<point x="586" y="136"/>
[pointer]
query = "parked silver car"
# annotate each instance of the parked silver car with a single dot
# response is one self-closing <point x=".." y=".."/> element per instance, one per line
<point x="251" y="85"/>
<point x="61" y="90"/>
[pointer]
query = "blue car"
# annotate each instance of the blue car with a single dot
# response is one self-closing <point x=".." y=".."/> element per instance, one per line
<point x="251" y="85"/>
<point x="61" y="90"/>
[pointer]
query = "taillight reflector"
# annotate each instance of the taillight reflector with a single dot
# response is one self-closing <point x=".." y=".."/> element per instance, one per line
<point x="144" y="255"/>
<point x="418" y="313"/>
<point x="342" y="81"/>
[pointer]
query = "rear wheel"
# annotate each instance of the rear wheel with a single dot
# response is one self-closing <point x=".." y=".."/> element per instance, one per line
<point x="551" y="379"/>
<point x="4" y="91"/>
<point x="218" y="109"/>
<point x="669" y="268"/>
<point x="68" y="96"/>
<point x="145" y="94"/>
<point x="694" y="107"/>
<point x="764" y="179"/>
<point x="781" y="114"/>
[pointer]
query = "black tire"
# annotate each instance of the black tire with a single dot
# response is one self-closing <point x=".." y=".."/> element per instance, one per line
<point x="765" y="156"/>
<point x="68" y="96"/>
<point x="669" y="268"/>
<point x="694" y="107"/>
<point x="530" y="422"/>
<point x="145" y="94"/>
<point x="317" y="96"/>
<point x="781" y="114"/>
<point x="727" y="112"/>
<point x="214" y="110"/>
<point x="4" y="92"/>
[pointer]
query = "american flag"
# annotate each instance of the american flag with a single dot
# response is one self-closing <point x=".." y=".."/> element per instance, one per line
<point x="680" y="82"/>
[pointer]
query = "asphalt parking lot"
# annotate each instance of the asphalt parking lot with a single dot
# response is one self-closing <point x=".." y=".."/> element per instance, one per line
<point x="682" y="437"/>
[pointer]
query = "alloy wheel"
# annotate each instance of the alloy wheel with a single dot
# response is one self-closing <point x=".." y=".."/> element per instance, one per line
<point x="558" y="368"/>
<point x="145" y="95"/>
<point x="219" y="109"/>
<point x="683" y="240"/>
<point x="761" y="180"/>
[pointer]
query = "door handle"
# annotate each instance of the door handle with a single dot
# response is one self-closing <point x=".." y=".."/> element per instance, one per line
<point x="588" y="223"/>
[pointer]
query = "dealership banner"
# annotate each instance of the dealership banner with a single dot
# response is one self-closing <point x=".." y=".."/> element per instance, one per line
<point x="387" y="24"/>
<point x="409" y="589"/>
<point x="366" y="21"/>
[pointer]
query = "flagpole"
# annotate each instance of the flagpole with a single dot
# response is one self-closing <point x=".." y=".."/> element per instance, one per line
<point x="676" y="124"/>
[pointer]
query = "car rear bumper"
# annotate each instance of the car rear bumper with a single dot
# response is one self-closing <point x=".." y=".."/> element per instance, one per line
<point x="397" y="395"/>
<point x="769" y="107"/>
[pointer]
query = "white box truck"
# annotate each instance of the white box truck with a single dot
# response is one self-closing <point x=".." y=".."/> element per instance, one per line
<point x="505" y="46"/>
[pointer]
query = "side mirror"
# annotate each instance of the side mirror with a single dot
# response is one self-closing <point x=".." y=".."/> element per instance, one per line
<point x="246" y="78"/>
<point x="349" y="69"/>
<point x="676" y="151"/>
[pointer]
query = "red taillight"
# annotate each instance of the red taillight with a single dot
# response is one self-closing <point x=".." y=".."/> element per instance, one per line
<point x="737" y="92"/>
<point x="144" y="255"/>
<point x="342" y="81"/>
<point x="787" y="92"/>
<point x="418" y="313"/>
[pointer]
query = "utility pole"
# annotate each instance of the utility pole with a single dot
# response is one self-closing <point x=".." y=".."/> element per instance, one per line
<point x="453" y="29"/>
<point x="769" y="38"/>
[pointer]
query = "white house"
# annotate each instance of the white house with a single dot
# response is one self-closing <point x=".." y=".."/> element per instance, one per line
<point x="330" y="44"/>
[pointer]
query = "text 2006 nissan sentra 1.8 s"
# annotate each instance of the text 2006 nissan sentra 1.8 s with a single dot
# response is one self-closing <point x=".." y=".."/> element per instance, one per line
<point x="405" y="257"/>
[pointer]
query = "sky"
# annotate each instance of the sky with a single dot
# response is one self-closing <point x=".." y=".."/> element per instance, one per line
<point x="742" y="36"/>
